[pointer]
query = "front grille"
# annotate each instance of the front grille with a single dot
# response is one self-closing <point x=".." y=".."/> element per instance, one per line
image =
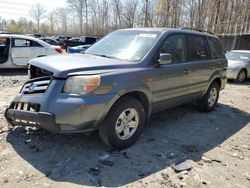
<point x="38" y="85"/>
<point x="32" y="107"/>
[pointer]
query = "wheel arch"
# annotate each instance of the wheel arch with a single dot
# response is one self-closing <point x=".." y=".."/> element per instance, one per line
<point x="218" y="81"/>
<point x="141" y="95"/>
<point x="245" y="69"/>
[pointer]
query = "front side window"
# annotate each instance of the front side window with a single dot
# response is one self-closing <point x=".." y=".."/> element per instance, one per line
<point x="175" y="45"/>
<point x="197" y="48"/>
<point x="125" y="45"/>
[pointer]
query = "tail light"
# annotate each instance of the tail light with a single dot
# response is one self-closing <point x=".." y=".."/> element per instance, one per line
<point x="59" y="50"/>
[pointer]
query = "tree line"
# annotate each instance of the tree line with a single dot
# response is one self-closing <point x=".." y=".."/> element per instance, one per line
<point x="99" y="17"/>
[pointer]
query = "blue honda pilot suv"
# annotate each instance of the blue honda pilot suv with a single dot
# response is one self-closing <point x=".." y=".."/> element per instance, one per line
<point x="119" y="81"/>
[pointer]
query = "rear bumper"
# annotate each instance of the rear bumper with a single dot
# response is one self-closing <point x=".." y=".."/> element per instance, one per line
<point x="37" y="119"/>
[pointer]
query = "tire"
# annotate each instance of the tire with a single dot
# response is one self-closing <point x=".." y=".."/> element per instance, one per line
<point x="242" y="75"/>
<point x="115" y="132"/>
<point x="210" y="99"/>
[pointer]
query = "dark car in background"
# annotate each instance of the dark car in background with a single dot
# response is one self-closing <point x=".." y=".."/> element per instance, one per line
<point x="50" y="41"/>
<point x="83" y="40"/>
<point x="61" y="40"/>
<point x="119" y="81"/>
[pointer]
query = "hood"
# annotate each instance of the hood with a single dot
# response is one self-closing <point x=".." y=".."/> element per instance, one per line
<point x="63" y="65"/>
<point x="236" y="63"/>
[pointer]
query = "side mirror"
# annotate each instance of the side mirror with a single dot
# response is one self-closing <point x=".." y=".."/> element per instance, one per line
<point x="165" y="58"/>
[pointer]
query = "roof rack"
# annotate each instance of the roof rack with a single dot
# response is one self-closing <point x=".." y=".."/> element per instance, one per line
<point x="194" y="29"/>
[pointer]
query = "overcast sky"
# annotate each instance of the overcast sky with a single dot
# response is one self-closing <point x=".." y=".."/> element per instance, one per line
<point x="14" y="9"/>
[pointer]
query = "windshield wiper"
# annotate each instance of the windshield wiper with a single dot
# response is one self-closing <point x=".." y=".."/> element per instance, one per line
<point x="103" y="55"/>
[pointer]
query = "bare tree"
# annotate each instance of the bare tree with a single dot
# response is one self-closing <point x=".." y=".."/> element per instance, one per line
<point x="37" y="12"/>
<point x="146" y="14"/>
<point x="81" y="7"/>
<point x="63" y="19"/>
<point x="51" y="19"/>
<point x="130" y="12"/>
<point x="102" y="16"/>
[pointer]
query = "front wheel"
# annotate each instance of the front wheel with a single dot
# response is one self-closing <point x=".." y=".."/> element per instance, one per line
<point x="210" y="99"/>
<point x="123" y="124"/>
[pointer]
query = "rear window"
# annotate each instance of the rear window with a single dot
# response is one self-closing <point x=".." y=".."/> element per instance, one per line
<point x="216" y="48"/>
<point x="35" y="44"/>
<point x="197" y="48"/>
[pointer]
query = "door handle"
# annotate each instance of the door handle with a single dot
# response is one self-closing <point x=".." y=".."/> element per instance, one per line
<point x="186" y="71"/>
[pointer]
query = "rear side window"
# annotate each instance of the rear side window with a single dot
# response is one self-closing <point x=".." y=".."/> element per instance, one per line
<point x="21" y="43"/>
<point x="197" y="48"/>
<point x="176" y="46"/>
<point x="216" y="48"/>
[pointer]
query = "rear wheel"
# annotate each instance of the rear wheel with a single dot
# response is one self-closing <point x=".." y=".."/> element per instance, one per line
<point x="242" y="76"/>
<point x="210" y="99"/>
<point x="123" y="124"/>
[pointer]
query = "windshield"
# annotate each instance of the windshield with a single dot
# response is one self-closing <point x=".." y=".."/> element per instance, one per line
<point x="240" y="56"/>
<point x="125" y="45"/>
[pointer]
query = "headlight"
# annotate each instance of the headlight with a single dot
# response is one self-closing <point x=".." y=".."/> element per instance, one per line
<point x="81" y="84"/>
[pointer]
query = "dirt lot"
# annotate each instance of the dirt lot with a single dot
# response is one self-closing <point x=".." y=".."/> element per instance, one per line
<point x="216" y="144"/>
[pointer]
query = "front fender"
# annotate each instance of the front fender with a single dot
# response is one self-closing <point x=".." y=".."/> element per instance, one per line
<point x="122" y="93"/>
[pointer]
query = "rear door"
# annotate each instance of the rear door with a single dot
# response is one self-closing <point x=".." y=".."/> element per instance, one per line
<point x="20" y="51"/>
<point x="200" y="63"/>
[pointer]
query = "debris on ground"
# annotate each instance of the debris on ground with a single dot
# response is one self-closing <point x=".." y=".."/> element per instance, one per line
<point x="94" y="171"/>
<point x="106" y="160"/>
<point x="182" y="165"/>
<point x="190" y="148"/>
<point x="206" y="160"/>
<point x="172" y="155"/>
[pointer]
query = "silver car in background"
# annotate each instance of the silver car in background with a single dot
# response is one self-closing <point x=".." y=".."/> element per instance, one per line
<point x="238" y="65"/>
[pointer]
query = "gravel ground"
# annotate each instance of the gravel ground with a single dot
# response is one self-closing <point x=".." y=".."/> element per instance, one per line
<point x="216" y="146"/>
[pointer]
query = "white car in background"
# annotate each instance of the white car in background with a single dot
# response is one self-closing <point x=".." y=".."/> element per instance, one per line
<point x="238" y="65"/>
<point x="17" y="50"/>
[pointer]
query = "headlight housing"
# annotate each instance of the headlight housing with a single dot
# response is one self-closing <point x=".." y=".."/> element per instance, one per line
<point x="81" y="84"/>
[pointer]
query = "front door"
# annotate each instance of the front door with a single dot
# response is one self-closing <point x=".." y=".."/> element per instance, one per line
<point x="171" y="83"/>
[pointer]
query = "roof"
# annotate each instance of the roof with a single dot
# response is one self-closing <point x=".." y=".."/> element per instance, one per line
<point x="179" y="30"/>
<point x="26" y="37"/>
<point x="18" y="36"/>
